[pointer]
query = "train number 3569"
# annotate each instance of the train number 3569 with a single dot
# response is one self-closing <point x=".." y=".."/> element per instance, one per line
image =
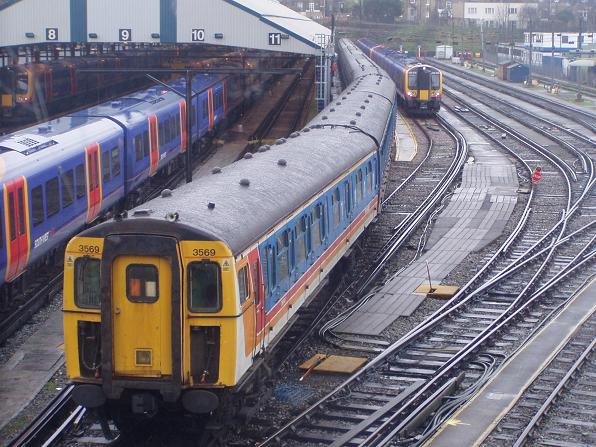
<point x="89" y="248"/>
<point x="203" y="252"/>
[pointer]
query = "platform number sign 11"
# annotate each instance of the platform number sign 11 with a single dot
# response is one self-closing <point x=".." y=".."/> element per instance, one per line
<point x="274" y="38"/>
<point x="125" y="34"/>
<point x="51" y="33"/>
<point x="198" y="35"/>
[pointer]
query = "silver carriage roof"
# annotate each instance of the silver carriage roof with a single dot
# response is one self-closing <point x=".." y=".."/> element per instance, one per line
<point x="287" y="175"/>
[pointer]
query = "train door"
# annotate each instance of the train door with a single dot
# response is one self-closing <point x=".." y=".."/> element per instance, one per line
<point x="182" y="106"/>
<point x="94" y="194"/>
<point x="16" y="218"/>
<point x="153" y="145"/>
<point x="142" y="316"/>
<point x="259" y="293"/>
<point x="211" y="111"/>
<point x="423" y="84"/>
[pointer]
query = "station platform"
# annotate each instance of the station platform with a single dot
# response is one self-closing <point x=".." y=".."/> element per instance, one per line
<point x="475" y="216"/>
<point x="30" y="368"/>
<point x="475" y="421"/>
<point x="407" y="146"/>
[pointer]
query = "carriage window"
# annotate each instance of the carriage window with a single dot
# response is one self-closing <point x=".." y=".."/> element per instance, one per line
<point x="105" y="166"/>
<point x="204" y="286"/>
<point x="265" y="265"/>
<point x="22" y="83"/>
<point x="52" y="196"/>
<point x="359" y="186"/>
<point x="205" y="108"/>
<point x="369" y="178"/>
<point x="12" y="225"/>
<point x="283" y="258"/>
<point x="37" y="205"/>
<point x="115" y="162"/>
<point x="301" y="240"/>
<point x="139" y="147"/>
<point x="243" y="284"/>
<point x="160" y="135"/>
<point x="87" y="282"/>
<point x="21" y="211"/>
<point x="146" y="143"/>
<point x="335" y="202"/>
<point x="316" y="227"/>
<point x="80" y="181"/>
<point x="142" y="283"/>
<point x="435" y="81"/>
<point x="348" y="196"/>
<point x="67" y="188"/>
<point x="412" y="79"/>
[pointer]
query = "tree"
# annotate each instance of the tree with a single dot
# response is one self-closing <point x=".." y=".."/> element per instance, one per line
<point x="382" y="10"/>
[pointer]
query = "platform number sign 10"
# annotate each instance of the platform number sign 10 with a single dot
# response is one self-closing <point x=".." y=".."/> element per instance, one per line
<point x="125" y="34"/>
<point x="198" y="35"/>
<point x="274" y="38"/>
<point x="51" y="33"/>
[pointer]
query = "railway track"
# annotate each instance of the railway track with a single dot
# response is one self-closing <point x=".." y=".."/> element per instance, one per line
<point x="403" y="213"/>
<point x="460" y="345"/>
<point x="546" y="80"/>
<point x="570" y="368"/>
<point x="585" y="118"/>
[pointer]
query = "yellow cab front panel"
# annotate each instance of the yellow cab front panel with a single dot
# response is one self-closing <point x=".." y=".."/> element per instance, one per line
<point x="142" y="316"/>
<point x="211" y="314"/>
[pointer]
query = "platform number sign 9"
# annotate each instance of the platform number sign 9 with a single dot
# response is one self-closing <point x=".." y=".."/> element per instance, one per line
<point x="274" y="38"/>
<point x="198" y="35"/>
<point x="125" y="34"/>
<point x="51" y="33"/>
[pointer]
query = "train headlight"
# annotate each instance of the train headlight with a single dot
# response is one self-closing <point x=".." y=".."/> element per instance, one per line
<point x="412" y="94"/>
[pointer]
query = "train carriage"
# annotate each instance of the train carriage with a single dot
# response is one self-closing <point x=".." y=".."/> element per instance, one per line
<point x="178" y="303"/>
<point x="419" y="86"/>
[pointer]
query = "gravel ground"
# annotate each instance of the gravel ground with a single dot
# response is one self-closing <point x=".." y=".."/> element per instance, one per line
<point x="17" y="340"/>
<point x="47" y="393"/>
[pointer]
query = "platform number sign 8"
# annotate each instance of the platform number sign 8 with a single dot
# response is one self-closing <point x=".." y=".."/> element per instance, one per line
<point x="125" y="34"/>
<point x="51" y="33"/>
<point x="274" y="38"/>
<point x="198" y="35"/>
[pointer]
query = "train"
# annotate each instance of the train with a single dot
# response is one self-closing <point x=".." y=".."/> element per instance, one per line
<point x="177" y="305"/>
<point x="419" y="86"/>
<point x="60" y="176"/>
<point x="36" y="89"/>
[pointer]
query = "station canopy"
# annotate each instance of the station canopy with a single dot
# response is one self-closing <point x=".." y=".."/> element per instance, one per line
<point x="252" y="24"/>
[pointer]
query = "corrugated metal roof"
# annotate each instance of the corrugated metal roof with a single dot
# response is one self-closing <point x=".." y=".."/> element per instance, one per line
<point x="284" y="19"/>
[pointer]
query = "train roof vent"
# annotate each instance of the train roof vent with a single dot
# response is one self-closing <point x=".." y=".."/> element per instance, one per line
<point x="142" y="212"/>
<point x="247" y="156"/>
<point x="245" y="182"/>
<point x="27" y="144"/>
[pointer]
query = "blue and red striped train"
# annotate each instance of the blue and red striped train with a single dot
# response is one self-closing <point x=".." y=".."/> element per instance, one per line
<point x="60" y="176"/>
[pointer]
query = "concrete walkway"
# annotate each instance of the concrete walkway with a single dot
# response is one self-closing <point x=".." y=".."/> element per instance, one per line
<point x="474" y="422"/>
<point x="476" y="215"/>
<point x="407" y="146"/>
<point x="30" y="368"/>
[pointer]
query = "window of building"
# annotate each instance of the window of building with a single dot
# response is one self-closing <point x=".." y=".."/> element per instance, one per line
<point x="52" y="196"/>
<point x="115" y="162"/>
<point x="142" y="283"/>
<point x="37" y="205"/>
<point x="204" y="285"/>
<point x="87" y="285"/>
<point x="67" y="188"/>
<point x="472" y="10"/>
<point x="105" y="166"/>
<point x="512" y="10"/>
<point x="565" y="39"/>
<point x="243" y="284"/>
<point x="81" y="181"/>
